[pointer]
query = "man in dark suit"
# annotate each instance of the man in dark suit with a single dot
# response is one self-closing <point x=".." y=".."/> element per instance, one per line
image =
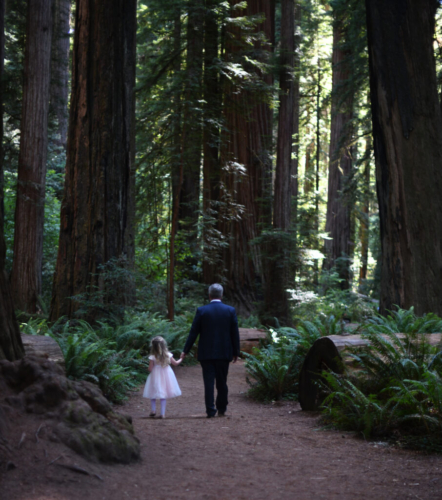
<point x="217" y="326"/>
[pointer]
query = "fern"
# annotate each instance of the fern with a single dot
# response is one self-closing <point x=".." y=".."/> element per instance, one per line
<point x="397" y="391"/>
<point x="108" y="354"/>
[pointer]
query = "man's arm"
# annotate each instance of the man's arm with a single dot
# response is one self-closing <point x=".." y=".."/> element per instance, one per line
<point x="194" y="332"/>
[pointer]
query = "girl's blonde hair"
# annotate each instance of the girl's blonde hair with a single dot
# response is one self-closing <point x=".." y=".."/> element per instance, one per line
<point x="158" y="348"/>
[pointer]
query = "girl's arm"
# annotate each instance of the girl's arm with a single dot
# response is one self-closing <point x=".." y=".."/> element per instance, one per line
<point x="174" y="362"/>
<point x="151" y="365"/>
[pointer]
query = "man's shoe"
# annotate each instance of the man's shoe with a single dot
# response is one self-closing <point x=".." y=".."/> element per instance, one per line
<point x="221" y="414"/>
<point x="210" y="416"/>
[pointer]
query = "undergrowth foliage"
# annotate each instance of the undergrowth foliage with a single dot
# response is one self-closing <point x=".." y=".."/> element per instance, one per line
<point x="114" y="357"/>
<point x="273" y="370"/>
<point x="396" y="392"/>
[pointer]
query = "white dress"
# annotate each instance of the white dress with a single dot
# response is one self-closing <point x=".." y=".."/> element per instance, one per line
<point x="161" y="382"/>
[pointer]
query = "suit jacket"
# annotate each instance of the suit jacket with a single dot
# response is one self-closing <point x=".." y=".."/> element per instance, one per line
<point x="217" y="325"/>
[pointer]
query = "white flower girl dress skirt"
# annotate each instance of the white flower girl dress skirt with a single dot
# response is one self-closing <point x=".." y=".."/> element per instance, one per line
<point x="161" y="382"/>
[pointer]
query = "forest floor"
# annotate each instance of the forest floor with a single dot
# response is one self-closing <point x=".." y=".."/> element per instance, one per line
<point x="260" y="451"/>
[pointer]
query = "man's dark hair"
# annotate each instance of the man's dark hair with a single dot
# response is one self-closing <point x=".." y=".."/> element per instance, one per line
<point x="215" y="291"/>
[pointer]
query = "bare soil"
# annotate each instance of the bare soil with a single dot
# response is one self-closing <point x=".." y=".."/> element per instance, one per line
<point x="259" y="451"/>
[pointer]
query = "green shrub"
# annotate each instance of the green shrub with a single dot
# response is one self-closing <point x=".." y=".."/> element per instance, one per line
<point x="404" y="321"/>
<point x="396" y="393"/>
<point x="341" y="304"/>
<point x="112" y="356"/>
<point x="273" y="370"/>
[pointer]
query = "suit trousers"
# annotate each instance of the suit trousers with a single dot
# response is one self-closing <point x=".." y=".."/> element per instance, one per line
<point x="215" y="370"/>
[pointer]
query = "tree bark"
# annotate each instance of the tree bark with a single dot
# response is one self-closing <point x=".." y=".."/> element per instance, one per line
<point x="338" y="248"/>
<point x="278" y="259"/>
<point x="309" y="168"/>
<point x="177" y="167"/>
<point x="246" y="164"/>
<point x="407" y="125"/>
<point x="284" y="146"/>
<point x="98" y="205"/>
<point x="11" y="346"/>
<point x="211" y="141"/>
<point x="296" y="112"/>
<point x="2" y="153"/>
<point x="192" y="128"/>
<point x="59" y="90"/>
<point x="29" y="212"/>
<point x="364" y="223"/>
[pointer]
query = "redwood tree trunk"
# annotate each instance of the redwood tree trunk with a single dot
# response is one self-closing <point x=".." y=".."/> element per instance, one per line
<point x="11" y="347"/>
<point x="60" y="69"/>
<point x="407" y="131"/>
<point x="97" y="209"/>
<point x="246" y="189"/>
<point x="296" y="112"/>
<point x="211" y="139"/>
<point x="364" y="226"/>
<point x="177" y="168"/>
<point x="29" y="212"/>
<point x="192" y="134"/>
<point x="338" y="223"/>
<point x="278" y="260"/>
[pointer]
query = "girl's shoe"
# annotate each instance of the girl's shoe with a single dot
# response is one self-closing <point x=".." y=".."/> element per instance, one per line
<point x="152" y="414"/>
<point x="162" y="416"/>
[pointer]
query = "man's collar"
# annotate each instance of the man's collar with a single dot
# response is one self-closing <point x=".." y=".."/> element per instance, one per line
<point x="215" y="300"/>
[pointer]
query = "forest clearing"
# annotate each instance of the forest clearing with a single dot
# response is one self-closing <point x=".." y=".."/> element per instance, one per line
<point x="259" y="451"/>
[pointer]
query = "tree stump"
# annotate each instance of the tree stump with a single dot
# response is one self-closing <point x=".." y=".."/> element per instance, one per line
<point x="323" y="355"/>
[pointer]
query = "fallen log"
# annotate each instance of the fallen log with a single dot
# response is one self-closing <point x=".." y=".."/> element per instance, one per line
<point x="343" y="342"/>
<point x="329" y="353"/>
<point x="42" y="346"/>
<point x="249" y="338"/>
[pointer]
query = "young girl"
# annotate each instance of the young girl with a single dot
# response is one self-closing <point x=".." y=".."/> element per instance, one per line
<point x="161" y="383"/>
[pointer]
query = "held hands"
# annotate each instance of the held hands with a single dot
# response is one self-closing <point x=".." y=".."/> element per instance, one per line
<point x="235" y="359"/>
<point x="175" y="362"/>
<point x="182" y="356"/>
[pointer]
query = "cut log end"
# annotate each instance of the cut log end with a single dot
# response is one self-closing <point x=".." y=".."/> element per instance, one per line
<point x="323" y="355"/>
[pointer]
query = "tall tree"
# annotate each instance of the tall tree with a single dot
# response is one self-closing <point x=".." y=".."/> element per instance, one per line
<point x="278" y="260"/>
<point x="192" y="133"/>
<point x="407" y="125"/>
<point x="60" y="69"/>
<point x="211" y="142"/>
<point x="177" y="164"/>
<point x="338" y="223"/>
<point x="246" y="164"/>
<point x="11" y="347"/>
<point x="98" y="207"/>
<point x="364" y="220"/>
<point x="29" y="213"/>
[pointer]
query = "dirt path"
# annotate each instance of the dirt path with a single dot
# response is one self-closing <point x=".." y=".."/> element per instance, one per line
<point x="258" y="452"/>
